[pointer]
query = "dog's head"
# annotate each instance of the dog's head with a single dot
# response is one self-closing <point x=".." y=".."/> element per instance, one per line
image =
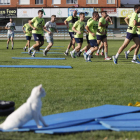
<point x="38" y="91"/>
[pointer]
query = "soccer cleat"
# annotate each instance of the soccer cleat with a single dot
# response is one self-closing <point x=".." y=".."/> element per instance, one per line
<point x="33" y="55"/>
<point x="97" y="54"/>
<point x="44" y="53"/>
<point x="66" y="53"/>
<point x="85" y="56"/>
<point x="102" y="53"/>
<point x="135" y="61"/>
<point x="92" y="56"/>
<point x="108" y="58"/>
<point x="126" y="55"/>
<point x="72" y="54"/>
<point x="79" y="54"/>
<point x="29" y="52"/>
<point x="114" y="59"/>
<point x="7" y="48"/>
<point x="88" y="60"/>
<point x="24" y="49"/>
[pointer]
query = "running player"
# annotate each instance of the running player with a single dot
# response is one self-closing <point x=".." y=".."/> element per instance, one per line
<point x="110" y="22"/>
<point x="92" y="28"/>
<point x="10" y="34"/>
<point x="100" y="37"/>
<point x="78" y="28"/>
<point x="37" y="23"/>
<point x="28" y="33"/>
<point x="131" y="34"/>
<point x="138" y="32"/>
<point x="50" y="29"/>
<point x="70" y="22"/>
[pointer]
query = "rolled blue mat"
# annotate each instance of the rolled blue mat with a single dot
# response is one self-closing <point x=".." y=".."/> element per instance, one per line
<point x="35" y="66"/>
<point x="52" y="49"/>
<point x="54" y="46"/>
<point x="38" y="58"/>
<point x="42" y="52"/>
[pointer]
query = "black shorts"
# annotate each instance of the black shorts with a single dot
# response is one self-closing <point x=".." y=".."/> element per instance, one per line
<point x="38" y="37"/>
<point x="87" y="39"/>
<point x="131" y="36"/>
<point x="28" y="37"/>
<point x="93" y="43"/>
<point x="79" y="40"/>
<point x="101" y="37"/>
<point x="71" y="35"/>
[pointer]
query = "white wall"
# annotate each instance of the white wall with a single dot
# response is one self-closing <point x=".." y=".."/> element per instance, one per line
<point x="24" y="1"/>
<point x="129" y="1"/>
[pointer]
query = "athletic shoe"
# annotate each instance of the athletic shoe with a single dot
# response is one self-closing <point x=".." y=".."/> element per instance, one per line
<point x="66" y="53"/>
<point x="24" y="49"/>
<point x="139" y="56"/>
<point x="72" y="54"/>
<point x="7" y="48"/>
<point x="114" y="59"/>
<point x="96" y="54"/>
<point x="79" y="54"/>
<point x="102" y="53"/>
<point x="85" y="56"/>
<point x="126" y="55"/>
<point x="135" y="61"/>
<point x="88" y="60"/>
<point x="33" y="55"/>
<point x="29" y="52"/>
<point x="44" y="53"/>
<point x="91" y="56"/>
<point x="108" y="58"/>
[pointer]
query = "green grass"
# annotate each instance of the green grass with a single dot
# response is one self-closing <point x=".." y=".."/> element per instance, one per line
<point x="86" y="85"/>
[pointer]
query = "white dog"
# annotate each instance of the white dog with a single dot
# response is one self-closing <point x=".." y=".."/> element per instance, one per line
<point x="28" y="111"/>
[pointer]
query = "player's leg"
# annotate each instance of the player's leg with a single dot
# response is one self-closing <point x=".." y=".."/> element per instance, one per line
<point x="79" y="41"/>
<point x="8" y="41"/>
<point x="28" y="38"/>
<point x="50" y="44"/>
<point x="124" y="45"/>
<point x="131" y="49"/>
<point x="100" y="47"/>
<point x="94" y="47"/>
<point x="70" y="44"/>
<point x="137" y="42"/>
<point x="73" y="43"/>
<point x="12" y="42"/>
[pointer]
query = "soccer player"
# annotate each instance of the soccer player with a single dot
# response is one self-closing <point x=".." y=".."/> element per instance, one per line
<point x="50" y="29"/>
<point x="102" y="37"/>
<point x="28" y="33"/>
<point x="78" y="28"/>
<point x="10" y="34"/>
<point x="138" y="32"/>
<point x="92" y="28"/>
<point x="70" y="22"/>
<point x="131" y="34"/>
<point x="37" y="23"/>
<point x="110" y="22"/>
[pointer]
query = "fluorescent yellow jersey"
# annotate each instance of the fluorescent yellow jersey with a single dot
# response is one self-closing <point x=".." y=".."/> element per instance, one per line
<point x="131" y="27"/>
<point x="138" y="29"/>
<point x="28" y="29"/>
<point x="101" y="29"/>
<point x="39" y="24"/>
<point x="79" y="26"/>
<point x="93" y="26"/>
<point x="71" y="21"/>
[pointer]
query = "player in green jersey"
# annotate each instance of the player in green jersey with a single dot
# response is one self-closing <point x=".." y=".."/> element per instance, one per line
<point x="70" y="22"/>
<point x="27" y="29"/>
<point x="92" y="28"/>
<point x="110" y="22"/>
<point x="37" y="23"/>
<point x="131" y="34"/>
<point x="78" y="28"/>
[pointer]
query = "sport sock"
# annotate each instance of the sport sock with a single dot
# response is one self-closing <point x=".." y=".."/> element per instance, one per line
<point x="34" y="52"/>
<point x="135" y="57"/>
<point x="102" y="50"/>
<point x="67" y="50"/>
<point x="31" y="48"/>
<point x="25" y="47"/>
<point x="88" y="52"/>
<point x="81" y="51"/>
<point x="128" y="52"/>
<point x="98" y="51"/>
<point x="117" y="55"/>
<point x="106" y="55"/>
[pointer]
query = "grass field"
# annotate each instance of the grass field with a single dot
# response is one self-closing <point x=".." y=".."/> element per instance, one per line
<point x="86" y="85"/>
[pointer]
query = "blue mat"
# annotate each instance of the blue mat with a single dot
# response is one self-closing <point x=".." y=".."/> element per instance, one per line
<point x="35" y="66"/>
<point x="52" y="49"/>
<point x="82" y="116"/>
<point x="124" y="117"/>
<point x="121" y="124"/>
<point x="52" y="46"/>
<point x="38" y="58"/>
<point x="42" y="53"/>
<point x="73" y="129"/>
